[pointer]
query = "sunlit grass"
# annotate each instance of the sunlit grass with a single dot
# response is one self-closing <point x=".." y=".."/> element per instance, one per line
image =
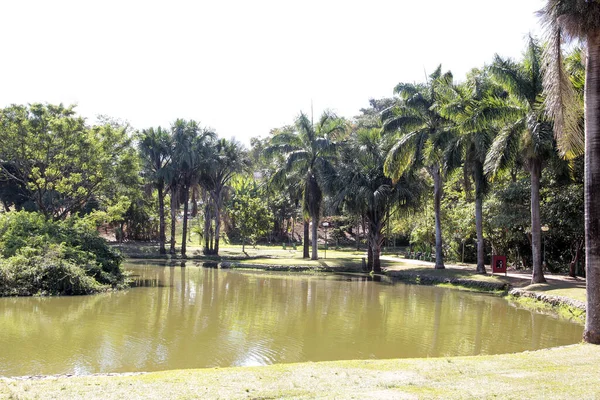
<point x="560" y="373"/>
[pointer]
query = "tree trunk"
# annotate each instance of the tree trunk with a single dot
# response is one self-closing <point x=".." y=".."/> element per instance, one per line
<point x="375" y="242"/>
<point x="480" y="242"/>
<point x="437" y="198"/>
<point x="591" y="333"/>
<point x="535" y="169"/>
<point x="479" y="217"/>
<point x="217" y="225"/>
<point x="207" y="223"/>
<point x="315" y="238"/>
<point x="573" y="265"/>
<point x="369" y="257"/>
<point x="186" y="195"/>
<point x="162" y="238"/>
<point x="305" y="251"/>
<point x="173" y="221"/>
<point x="357" y="236"/>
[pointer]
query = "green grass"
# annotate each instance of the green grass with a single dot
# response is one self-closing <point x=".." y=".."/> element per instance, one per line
<point x="563" y="310"/>
<point x="572" y="289"/>
<point x="469" y="288"/>
<point x="560" y="373"/>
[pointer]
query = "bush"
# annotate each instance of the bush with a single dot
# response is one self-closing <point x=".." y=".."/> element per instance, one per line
<point x="45" y="257"/>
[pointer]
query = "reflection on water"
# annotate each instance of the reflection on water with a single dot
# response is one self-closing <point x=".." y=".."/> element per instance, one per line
<point x="196" y="317"/>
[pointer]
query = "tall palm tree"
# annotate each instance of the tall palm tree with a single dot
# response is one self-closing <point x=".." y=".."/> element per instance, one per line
<point x="580" y="19"/>
<point x="423" y="136"/>
<point x="474" y="106"/>
<point x="189" y="154"/>
<point x="225" y="159"/>
<point x="361" y="180"/>
<point x="526" y="134"/>
<point x="308" y="151"/>
<point x="154" y="147"/>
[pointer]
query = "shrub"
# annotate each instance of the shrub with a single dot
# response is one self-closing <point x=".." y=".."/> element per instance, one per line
<point x="45" y="257"/>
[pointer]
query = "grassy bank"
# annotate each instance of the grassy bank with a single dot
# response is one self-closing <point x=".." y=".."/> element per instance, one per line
<point x="559" y="373"/>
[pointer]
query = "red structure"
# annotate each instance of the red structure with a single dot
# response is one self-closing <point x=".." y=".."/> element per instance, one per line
<point x="498" y="264"/>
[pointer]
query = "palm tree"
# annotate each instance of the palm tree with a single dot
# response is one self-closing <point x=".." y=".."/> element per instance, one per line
<point x="474" y="106"/>
<point x="526" y="134"/>
<point x="361" y="180"/>
<point x="189" y="155"/>
<point x="580" y="19"/>
<point x="225" y="159"/>
<point x="154" y="146"/>
<point x="424" y="135"/>
<point x="308" y="151"/>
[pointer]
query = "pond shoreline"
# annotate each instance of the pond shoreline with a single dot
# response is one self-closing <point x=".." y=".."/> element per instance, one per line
<point x="561" y="372"/>
<point x="504" y="289"/>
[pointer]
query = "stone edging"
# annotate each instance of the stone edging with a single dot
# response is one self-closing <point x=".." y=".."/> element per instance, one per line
<point x="282" y="268"/>
<point x="549" y="299"/>
<point x="432" y="280"/>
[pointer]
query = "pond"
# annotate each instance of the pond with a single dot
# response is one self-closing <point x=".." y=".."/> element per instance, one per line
<point x="197" y="317"/>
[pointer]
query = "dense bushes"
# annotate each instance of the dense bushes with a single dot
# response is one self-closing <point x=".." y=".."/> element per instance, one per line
<point x="45" y="257"/>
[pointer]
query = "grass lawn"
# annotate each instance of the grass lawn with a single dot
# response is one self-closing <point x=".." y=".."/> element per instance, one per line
<point x="573" y="289"/>
<point x="561" y="373"/>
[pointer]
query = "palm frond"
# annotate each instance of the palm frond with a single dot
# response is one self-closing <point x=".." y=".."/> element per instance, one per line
<point x="561" y="102"/>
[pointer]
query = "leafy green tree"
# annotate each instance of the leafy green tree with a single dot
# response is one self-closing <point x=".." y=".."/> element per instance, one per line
<point x="526" y="136"/>
<point x="64" y="164"/>
<point x="423" y="137"/>
<point x="155" y="150"/>
<point x="308" y="151"/>
<point x="250" y="213"/>
<point x="579" y="19"/>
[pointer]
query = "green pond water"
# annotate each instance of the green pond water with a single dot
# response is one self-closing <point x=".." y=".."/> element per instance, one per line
<point x="197" y="317"/>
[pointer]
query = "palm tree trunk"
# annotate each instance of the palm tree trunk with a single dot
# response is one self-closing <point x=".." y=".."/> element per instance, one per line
<point x="186" y="195"/>
<point x="591" y="333"/>
<point x="217" y="224"/>
<point x="357" y="236"/>
<point x="375" y="241"/>
<point x="161" y="224"/>
<point x="479" y="176"/>
<point x="207" y="223"/>
<point x="305" y="251"/>
<point x="437" y="198"/>
<point x="315" y="238"/>
<point x="535" y="169"/>
<point x="369" y="256"/>
<point x="173" y="221"/>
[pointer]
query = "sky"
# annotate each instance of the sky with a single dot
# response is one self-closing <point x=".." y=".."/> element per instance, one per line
<point x="241" y="67"/>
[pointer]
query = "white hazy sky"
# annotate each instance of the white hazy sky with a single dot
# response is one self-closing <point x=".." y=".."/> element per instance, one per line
<point x="242" y="67"/>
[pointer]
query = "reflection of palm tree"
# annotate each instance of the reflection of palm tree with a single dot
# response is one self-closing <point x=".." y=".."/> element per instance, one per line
<point x="580" y="20"/>
<point x="526" y="135"/>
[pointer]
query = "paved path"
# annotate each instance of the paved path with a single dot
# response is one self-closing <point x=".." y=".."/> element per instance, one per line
<point x="517" y="278"/>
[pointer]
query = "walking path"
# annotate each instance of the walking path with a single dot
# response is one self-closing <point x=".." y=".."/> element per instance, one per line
<point x="556" y="285"/>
